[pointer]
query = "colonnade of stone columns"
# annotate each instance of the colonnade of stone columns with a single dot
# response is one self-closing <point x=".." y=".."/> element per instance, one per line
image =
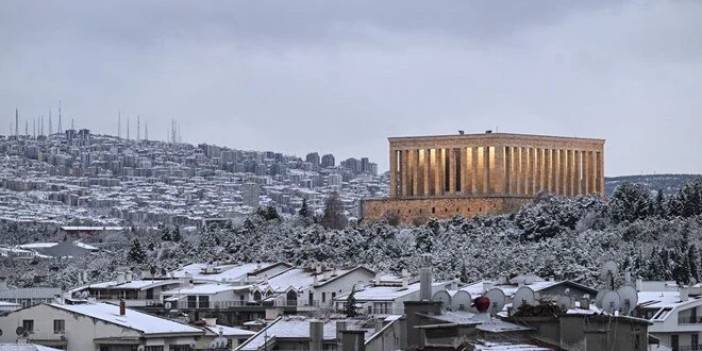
<point x="495" y="170"/>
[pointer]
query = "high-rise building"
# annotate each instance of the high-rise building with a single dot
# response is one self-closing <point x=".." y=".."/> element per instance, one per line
<point x="249" y="194"/>
<point x="328" y="161"/>
<point x="313" y="158"/>
<point x="365" y="165"/>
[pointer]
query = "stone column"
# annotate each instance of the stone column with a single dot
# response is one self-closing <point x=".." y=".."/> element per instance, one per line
<point x="441" y="162"/>
<point x="514" y="171"/>
<point x="478" y="172"/>
<point x="452" y="170"/>
<point x="475" y="171"/>
<point x="578" y="172"/>
<point x="508" y="170"/>
<point x="427" y="172"/>
<point x="403" y="172"/>
<point x="465" y="173"/>
<point x="486" y="170"/>
<point x="557" y="186"/>
<point x="393" y="173"/>
<point x="547" y="170"/>
<point x="528" y="171"/>
<point x="587" y="171"/>
<point x="600" y="173"/>
<point x="500" y="170"/>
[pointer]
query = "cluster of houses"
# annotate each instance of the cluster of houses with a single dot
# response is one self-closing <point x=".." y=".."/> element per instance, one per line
<point x="277" y="306"/>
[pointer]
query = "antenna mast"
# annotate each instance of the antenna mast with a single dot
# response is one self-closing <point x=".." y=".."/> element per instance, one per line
<point x="59" y="123"/>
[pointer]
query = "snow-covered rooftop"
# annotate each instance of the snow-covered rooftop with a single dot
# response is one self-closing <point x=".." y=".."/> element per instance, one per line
<point x="390" y="293"/>
<point x="132" y="319"/>
<point x="220" y="273"/>
<point x="205" y="289"/>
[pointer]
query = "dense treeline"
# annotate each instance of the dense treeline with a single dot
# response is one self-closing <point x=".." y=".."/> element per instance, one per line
<point x="656" y="236"/>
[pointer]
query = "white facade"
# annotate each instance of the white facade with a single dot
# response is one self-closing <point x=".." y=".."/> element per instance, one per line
<point x="95" y="327"/>
<point x="676" y="315"/>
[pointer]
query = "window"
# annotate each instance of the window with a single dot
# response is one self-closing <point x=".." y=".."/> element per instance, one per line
<point x="324" y="297"/>
<point x="694" y="342"/>
<point x="149" y="294"/>
<point x="180" y="348"/>
<point x="59" y="326"/>
<point x="333" y="296"/>
<point x="153" y="348"/>
<point x="28" y="325"/>
<point x="204" y="302"/>
<point x="192" y="301"/>
<point x="674" y="342"/>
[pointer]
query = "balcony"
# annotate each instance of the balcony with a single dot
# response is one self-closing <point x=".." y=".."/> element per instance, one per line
<point x="690" y="320"/>
<point x="689" y="348"/>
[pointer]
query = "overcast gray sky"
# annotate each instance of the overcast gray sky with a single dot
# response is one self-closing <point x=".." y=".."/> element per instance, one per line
<point x="340" y="77"/>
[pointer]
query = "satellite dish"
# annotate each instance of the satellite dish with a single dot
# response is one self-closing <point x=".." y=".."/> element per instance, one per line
<point x="609" y="273"/>
<point x="497" y="300"/>
<point x="629" y="298"/>
<point x="20" y="332"/>
<point x="610" y="302"/>
<point x="524" y="296"/>
<point x="461" y="301"/>
<point x="218" y="343"/>
<point x="564" y="302"/>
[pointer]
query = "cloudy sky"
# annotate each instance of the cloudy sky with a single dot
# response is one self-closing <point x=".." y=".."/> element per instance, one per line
<point x="340" y="77"/>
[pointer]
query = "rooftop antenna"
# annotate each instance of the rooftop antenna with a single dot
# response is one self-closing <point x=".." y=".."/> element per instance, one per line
<point x="34" y="128"/>
<point x="26" y="127"/>
<point x="60" y="128"/>
<point x="146" y="131"/>
<point x="16" y="121"/>
<point x="41" y="126"/>
<point x="127" y="128"/>
<point x="119" y="124"/>
<point x="72" y="125"/>
<point x="50" y="126"/>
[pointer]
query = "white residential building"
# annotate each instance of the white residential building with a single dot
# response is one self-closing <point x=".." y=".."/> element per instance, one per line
<point x="676" y="313"/>
<point x="97" y="326"/>
<point x="311" y="288"/>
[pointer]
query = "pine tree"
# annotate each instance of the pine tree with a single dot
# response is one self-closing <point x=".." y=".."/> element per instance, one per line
<point x="166" y="234"/>
<point x="304" y="210"/>
<point x="351" y="304"/>
<point x="693" y="260"/>
<point x="659" y="207"/>
<point x="630" y="202"/>
<point x="136" y="253"/>
<point x="176" y="234"/>
<point x="334" y="217"/>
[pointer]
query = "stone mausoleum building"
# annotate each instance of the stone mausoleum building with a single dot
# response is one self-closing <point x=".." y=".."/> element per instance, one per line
<point x="469" y="174"/>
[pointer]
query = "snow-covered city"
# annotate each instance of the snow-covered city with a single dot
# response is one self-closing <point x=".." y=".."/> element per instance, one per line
<point x="350" y="176"/>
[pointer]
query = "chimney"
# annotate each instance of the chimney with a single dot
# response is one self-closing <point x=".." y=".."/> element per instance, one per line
<point x="120" y="277"/>
<point x="129" y="276"/>
<point x="425" y="278"/>
<point x="353" y="340"/>
<point x="639" y="284"/>
<point x="316" y="334"/>
<point x="340" y="327"/>
<point x="585" y="302"/>
<point x="684" y="294"/>
<point x="122" y="308"/>
<point x="405" y="282"/>
<point x="210" y="322"/>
